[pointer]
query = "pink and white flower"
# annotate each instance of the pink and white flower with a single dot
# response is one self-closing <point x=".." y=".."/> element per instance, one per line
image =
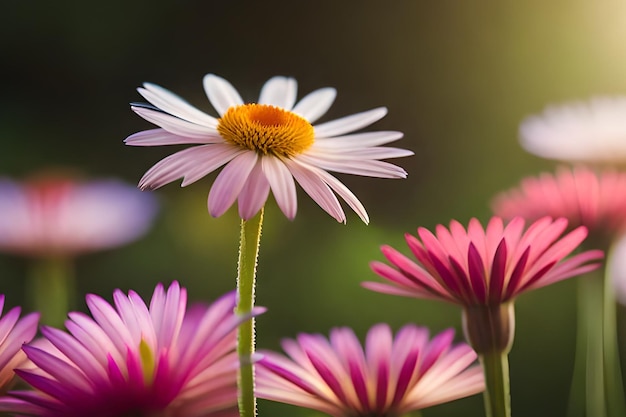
<point x="61" y="216"/>
<point x="133" y="359"/>
<point x="391" y="376"/>
<point x="585" y="197"/>
<point x="263" y="146"/>
<point x="14" y="332"/>
<point x="484" y="266"/>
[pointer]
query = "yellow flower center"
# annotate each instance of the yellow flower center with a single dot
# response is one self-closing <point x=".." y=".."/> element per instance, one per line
<point x="266" y="129"/>
<point x="148" y="361"/>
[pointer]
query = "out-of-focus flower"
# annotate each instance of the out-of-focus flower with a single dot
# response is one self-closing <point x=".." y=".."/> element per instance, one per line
<point x="14" y="331"/>
<point x="59" y="216"/>
<point x="265" y="146"/>
<point x="390" y="377"/>
<point x="482" y="269"/>
<point x="131" y="359"/>
<point x="592" y="131"/>
<point x="596" y="200"/>
<point x="616" y="265"/>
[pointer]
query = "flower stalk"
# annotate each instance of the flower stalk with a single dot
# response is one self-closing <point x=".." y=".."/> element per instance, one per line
<point x="51" y="289"/>
<point x="597" y="387"/>
<point x="616" y="401"/>
<point x="246" y="281"/>
<point x="497" y="394"/>
<point x="490" y="331"/>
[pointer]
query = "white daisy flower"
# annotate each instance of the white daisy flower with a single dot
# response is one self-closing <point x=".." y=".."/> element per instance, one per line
<point x="591" y="132"/>
<point x="265" y="146"/>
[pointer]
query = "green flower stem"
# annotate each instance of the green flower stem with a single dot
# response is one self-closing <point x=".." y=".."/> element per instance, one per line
<point x="51" y="289"/>
<point x="246" y="274"/>
<point x="616" y="403"/>
<point x="490" y="331"/>
<point x="587" y="397"/>
<point x="497" y="395"/>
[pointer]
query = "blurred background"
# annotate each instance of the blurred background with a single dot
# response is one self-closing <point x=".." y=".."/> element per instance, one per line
<point x="456" y="76"/>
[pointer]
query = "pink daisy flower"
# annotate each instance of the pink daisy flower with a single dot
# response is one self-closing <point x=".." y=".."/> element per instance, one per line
<point x="60" y="216"/>
<point x="392" y="376"/>
<point x="14" y="331"/>
<point x="484" y="266"/>
<point x="583" y="131"/>
<point x="268" y="145"/>
<point x="134" y="359"/>
<point x="596" y="200"/>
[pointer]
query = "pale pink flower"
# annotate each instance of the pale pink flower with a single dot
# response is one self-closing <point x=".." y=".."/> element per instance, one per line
<point x="61" y="216"/>
<point x="391" y="376"/>
<point x="14" y="331"/>
<point x="135" y="359"/>
<point x="268" y="145"/>
<point x="484" y="266"/>
<point x="585" y="197"/>
<point x="591" y="131"/>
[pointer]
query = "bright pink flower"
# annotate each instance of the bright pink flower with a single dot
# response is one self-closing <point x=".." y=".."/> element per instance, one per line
<point x="390" y="377"/>
<point x="269" y="145"/>
<point x="490" y="266"/>
<point x="131" y="359"/>
<point x="59" y="216"/>
<point x="13" y="333"/>
<point x="596" y="200"/>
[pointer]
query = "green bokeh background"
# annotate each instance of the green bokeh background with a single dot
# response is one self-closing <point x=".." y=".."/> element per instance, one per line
<point x="456" y="76"/>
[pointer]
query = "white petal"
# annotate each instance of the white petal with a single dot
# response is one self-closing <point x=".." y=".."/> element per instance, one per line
<point x="282" y="184"/>
<point x="358" y="140"/>
<point x="230" y="182"/>
<point x="349" y="123"/>
<point x="376" y="152"/>
<point x="216" y="156"/>
<point x="254" y="193"/>
<point x="366" y="168"/>
<point x="221" y="93"/>
<point x="343" y="191"/>
<point x="175" y="105"/>
<point x="175" y="125"/>
<point x="159" y="137"/>
<point x="280" y="92"/>
<point x="317" y="189"/>
<point x="187" y="163"/>
<point x="315" y="104"/>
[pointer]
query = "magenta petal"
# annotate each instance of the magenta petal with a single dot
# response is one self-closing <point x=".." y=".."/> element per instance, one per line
<point x="501" y="261"/>
<point x="390" y="376"/>
<point x="477" y="276"/>
<point x="137" y="360"/>
<point x="498" y="271"/>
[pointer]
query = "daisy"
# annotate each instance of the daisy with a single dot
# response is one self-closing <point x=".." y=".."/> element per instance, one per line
<point x="596" y="200"/>
<point x="484" y="266"/>
<point x="57" y="216"/>
<point x="592" y="131"/>
<point x="133" y="359"/>
<point x="391" y="376"/>
<point x="484" y="270"/>
<point x="14" y="331"/>
<point x="263" y="146"/>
